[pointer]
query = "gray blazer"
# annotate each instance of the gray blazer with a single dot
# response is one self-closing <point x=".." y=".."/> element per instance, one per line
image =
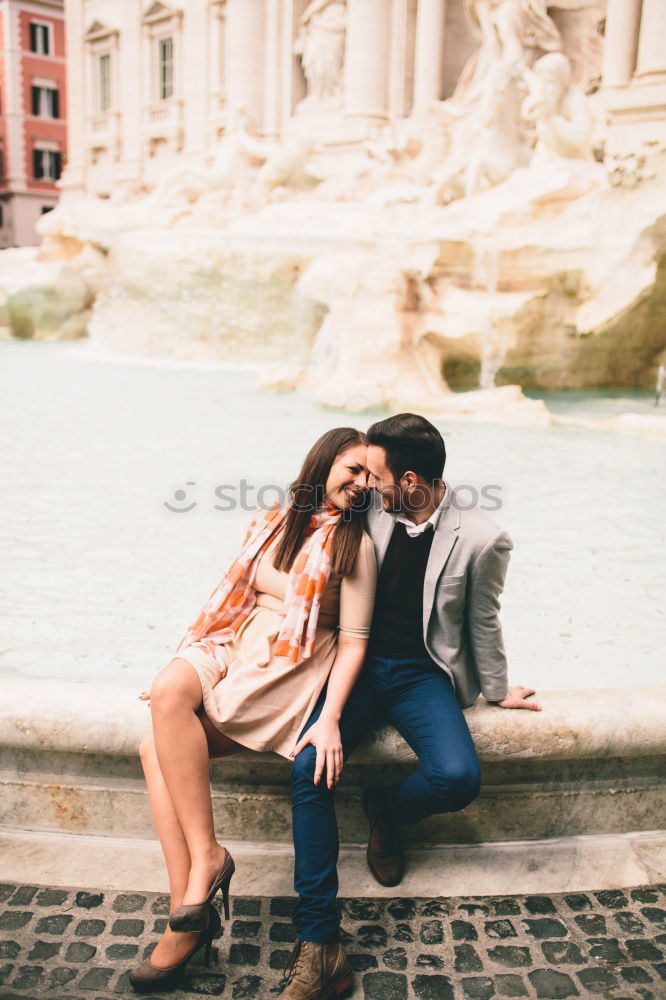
<point x="461" y="596"/>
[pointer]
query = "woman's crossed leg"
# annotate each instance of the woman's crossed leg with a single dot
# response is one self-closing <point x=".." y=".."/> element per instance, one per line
<point x="175" y="758"/>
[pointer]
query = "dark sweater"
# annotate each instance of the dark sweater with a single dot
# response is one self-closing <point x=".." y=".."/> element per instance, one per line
<point x="397" y="624"/>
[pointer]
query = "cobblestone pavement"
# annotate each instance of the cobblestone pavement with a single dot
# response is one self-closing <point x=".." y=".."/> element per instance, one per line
<point x="72" y="944"/>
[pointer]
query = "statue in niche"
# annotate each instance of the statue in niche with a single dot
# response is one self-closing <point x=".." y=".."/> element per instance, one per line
<point x="511" y="31"/>
<point x="321" y="47"/>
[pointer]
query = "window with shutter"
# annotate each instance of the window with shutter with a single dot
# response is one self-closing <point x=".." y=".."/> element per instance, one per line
<point x="165" y="61"/>
<point x="39" y="39"/>
<point x="105" y="81"/>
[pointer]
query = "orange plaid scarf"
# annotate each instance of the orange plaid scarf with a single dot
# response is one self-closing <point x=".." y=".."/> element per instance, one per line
<point x="234" y="597"/>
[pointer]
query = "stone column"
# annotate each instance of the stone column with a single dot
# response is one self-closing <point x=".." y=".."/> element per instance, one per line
<point x="636" y="112"/>
<point x="623" y="18"/>
<point x="74" y="174"/>
<point x="367" y="58"/>
<point x="244" y="54"/>
<point x="401" y="66"/>
<point x="429" y="58"/>
<point x="651" y="65"/>
<point x="272" y="67"/>
<point x="292" y="84"/>
<point x="133" y="91"/>
<point x="397" y="60"/>
<point x="194" y="76"/>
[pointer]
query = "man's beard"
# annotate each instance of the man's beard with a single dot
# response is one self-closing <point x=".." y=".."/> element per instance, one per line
<point x="392" y="505"/>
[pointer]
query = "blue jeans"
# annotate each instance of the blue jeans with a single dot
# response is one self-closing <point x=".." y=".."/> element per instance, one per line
<point x="417" y="697"/>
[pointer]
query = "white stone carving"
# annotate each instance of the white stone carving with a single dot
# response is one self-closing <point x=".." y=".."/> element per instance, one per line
<point x="489" y="142"/>
<point x="511" y="31"/>
<point x="321" y="47"/>
<point x="559" y="110"/>
<point x="378" y="251"/>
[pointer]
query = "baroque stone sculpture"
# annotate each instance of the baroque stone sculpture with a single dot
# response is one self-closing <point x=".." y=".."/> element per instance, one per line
<point x="511" y="31"/>
<point x="351" y="237"/>
<point x="321" y="47"/>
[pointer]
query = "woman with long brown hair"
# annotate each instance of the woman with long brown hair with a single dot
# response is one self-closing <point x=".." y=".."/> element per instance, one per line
<point x="291" y="616"/>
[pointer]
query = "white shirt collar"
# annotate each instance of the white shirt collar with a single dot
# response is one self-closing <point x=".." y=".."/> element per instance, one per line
<point x="417" y="529"/>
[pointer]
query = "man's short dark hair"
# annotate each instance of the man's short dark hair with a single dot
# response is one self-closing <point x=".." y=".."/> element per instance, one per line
<point x="411" y="443"/>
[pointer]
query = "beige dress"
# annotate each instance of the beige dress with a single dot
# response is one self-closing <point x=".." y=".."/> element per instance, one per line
<point x="263" y="702"/>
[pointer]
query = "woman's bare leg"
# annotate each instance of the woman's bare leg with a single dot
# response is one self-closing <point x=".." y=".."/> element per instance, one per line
<point x="171" y="947"/>
<point x="170" y="833"/>
<point x="183" y="755"/>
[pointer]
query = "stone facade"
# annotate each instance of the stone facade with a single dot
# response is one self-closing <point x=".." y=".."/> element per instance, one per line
<point x="152" y="81"/>
<point x="634" y="80"/>
<point x="484" y="178"/>
<point x="366" y="62"/>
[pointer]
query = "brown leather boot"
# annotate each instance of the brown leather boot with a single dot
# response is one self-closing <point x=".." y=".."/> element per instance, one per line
<point x="385" y="855"/>
<point x="318" y="972"/>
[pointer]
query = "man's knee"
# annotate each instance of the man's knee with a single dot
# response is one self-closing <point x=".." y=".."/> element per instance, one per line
<point x="303" y="788"/>
<point x="303" y="767"/>
<point x="455" y="787"/>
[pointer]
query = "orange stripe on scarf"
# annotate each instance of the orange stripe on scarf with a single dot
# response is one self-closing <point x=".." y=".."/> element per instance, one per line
<point x="232" y="600"/>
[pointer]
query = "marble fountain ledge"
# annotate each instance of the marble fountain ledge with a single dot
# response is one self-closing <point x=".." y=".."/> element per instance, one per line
<point x="82" y="718"/>
<point x="75" y="809"/>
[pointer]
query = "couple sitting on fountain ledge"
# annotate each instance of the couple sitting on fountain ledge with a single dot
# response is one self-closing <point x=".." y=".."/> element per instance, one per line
<point x="366" y="597"/>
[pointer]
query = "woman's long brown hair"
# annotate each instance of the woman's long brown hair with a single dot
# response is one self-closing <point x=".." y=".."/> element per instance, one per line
<point x="308" y="491"/>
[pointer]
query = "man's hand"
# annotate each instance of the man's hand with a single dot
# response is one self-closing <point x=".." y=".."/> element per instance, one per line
<point x="516" y="697"/>
<point x="324" y="736"/>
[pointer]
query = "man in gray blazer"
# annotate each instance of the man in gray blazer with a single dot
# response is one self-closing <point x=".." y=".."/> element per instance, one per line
<point x="436" y="639"/>
<point x="435" y="645"/>
<point x="464" y="565"/>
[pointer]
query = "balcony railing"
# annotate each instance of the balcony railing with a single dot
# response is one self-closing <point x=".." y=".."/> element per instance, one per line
<point x="163" y="118"/>
<point x="104" y="124"/>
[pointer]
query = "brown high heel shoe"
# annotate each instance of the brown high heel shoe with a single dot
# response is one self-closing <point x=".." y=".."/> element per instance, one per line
<point x="194" y="916"/>
<point x="148" y="977"/>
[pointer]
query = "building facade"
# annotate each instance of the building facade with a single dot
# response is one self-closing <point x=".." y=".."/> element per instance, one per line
<point x="152" y="81"/>
<point x="33" y="115"/>
<point x="634" y="77"/>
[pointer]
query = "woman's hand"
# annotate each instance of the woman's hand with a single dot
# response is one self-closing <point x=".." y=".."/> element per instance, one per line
<point x="145" y="696"/>
<point x="324" y="736"/>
